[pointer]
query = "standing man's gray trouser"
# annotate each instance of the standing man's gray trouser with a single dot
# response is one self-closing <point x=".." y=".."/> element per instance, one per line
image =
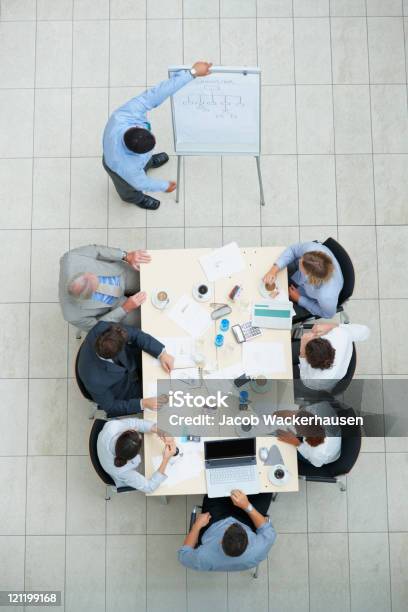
<point x="125" y="191"/>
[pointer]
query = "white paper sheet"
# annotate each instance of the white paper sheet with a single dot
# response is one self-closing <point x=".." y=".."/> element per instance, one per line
<point x="229" y="373"/>
<point x="263" y="358"/>
<point x="190" y="316"/>
<point x="182" y="349"/>
<point x="223" y="262"/>
<point x="185" y="467"/>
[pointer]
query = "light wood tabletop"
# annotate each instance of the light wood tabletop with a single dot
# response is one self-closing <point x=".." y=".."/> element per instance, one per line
<point x="177" y="271"/>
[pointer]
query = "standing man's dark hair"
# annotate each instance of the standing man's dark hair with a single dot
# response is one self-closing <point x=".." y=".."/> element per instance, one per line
<point x="111" y="342"/>
<point x="235" y="540"/>
<point x="139" y="140"/>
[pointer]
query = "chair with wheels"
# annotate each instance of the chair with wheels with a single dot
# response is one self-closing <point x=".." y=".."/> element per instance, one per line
<point x="305" y="395"/>
<point x="193" y="518"/>
<point x="83" y="390"/>
<point x="97" y="427"/>
<point x="350" y="450"/>
<point x="347" y="269"/>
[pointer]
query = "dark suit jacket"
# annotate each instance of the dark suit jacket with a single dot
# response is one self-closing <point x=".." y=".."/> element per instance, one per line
<point x="115" y="388"/>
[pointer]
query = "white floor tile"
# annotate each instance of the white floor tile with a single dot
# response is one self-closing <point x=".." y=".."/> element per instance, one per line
<point x="275" y="48"/>
<point x="89" y="117"/>
<point x="91" y="9"/>
<point x="14" y="335"/>
<point x="391" y="189"/>
<point x="240" y="192"/>
<point x="312" y="51"/>
<point x="238" y="40"/>
<point x="397" y="479"/>
<point x="381" y="7"/>
<point x="386" y="33"/>
<point x="352" y="118"/>
<point x="164" y="48"/>
<point x="392" y="240"/>
<point x="46" y="498"/>
<point x="51" y="10"/>
<point x="89" y="193"/>
<point x="288" y="573"/>
<point x="12" y="563"/>
<point x="206" y="237"/>
<point x="85" y="498"/>
<point x="360" y="244"/>
<point x="125" y="572"/>
<point x="52" y="127"/>
<point x="127" y="53"/>
<point x="17" y="60"/>
<point x="13" y="480"/>
<point x="18" y="9"/>
<point x="203" y="184"/>
<point x="207" y="591"/>
<point x="394" y="347"/>
<point x="16" y="122"/>
<point x="389" y="118"/>
<point x="366" y="488"/>
<point x="347" y="8"/>
<point x="278" y="120"/>
<point x="399" y="584"/>
<point x="349" y="48"/>
<point x="355" y="190"/>
<point x="126" y="513"/>
<point x="173" y="515"/>
<point x="127" y="9"/>
<point x="164" y="9"/>
<point x="326" y="508"/>
<point x="15" y="193"/>
<point x="85" y="573"/>
<point x="317" y="190"/>
<point x="47" y="248"/>
<point x="15" y="255"/>
<point x="47" y="417"/>
<point x="279" y="175"/>
<point x="13" y="417"/>
<point x="90" y="54"/>
<point x="311" y="8"/>
<point x="45" y="563"/>
<point x="165" y="577"/>
<point x="51" y="177"/>
<point x="201" y="8"/>
<point x="314" y="107"/>
<point x="54" y="39"/>
<point x="369" y="572"/>
<point x="201" y="40"/>
<point x="329" y="572"/>
<point x="48" y="338"/>
<point x="238" y="8"/>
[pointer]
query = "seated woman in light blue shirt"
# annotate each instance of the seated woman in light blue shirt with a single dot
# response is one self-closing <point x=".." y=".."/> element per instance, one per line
<point x="317" y="278"/>
<point x="237" y="534"/>
<point x="118" y="449"/>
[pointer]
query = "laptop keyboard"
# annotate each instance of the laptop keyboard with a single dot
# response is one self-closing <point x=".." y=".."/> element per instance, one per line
<point x="234" y="474"/>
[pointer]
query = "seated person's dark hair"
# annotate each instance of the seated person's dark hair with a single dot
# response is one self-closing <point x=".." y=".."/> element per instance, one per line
<point x="110" y="342"/>
<point x="127" y="447"/>
<point x="235" y="540"/>
<point x="320" y="353"/>
<point x="314" y="433"/>
<point x="139" y="140"/>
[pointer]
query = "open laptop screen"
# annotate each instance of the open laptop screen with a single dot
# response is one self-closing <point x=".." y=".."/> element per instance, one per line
<point x="230" y="448"/>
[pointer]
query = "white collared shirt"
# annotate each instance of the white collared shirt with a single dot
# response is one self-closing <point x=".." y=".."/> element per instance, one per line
<point x="341" y="338"/>
<point x="127" y="475"/>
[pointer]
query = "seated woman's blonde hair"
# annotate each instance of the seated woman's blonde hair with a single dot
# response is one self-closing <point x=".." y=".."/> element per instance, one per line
<point x="318" y="266"/>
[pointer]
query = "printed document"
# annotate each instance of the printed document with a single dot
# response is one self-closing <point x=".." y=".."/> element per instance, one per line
<point x="223" y="262"/>
<point x="263" y="358"/>
<point x="190" y="316"/>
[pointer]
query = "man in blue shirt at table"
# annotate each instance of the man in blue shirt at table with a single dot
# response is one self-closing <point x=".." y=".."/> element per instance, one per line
<point x="235" y="534"/>
<point x="128" y="142"/>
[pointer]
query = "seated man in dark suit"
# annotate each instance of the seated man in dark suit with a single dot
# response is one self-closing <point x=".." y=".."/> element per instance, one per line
<point x="110" y="365"/>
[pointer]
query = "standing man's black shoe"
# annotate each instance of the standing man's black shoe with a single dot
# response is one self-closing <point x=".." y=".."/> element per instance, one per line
<point x="149" y="203"/>
<point x="159" y="159"/>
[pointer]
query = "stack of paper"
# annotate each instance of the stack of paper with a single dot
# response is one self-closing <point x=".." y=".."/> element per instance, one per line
<point x="181" y="348"/>
<point x="223" y="262"/>
<point x="190" y="316"/>
<point x="263" y="358"/>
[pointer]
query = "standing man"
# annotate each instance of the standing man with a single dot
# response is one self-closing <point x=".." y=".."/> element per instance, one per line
<point x="128" y="141"/>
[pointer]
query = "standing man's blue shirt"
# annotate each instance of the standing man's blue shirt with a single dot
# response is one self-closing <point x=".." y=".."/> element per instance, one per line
<point x="128" y="165"/>
<point x="321" y="300"/>
<point x="210" y="557"/>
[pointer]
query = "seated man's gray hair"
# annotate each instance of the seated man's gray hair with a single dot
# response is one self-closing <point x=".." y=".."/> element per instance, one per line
<point x="80" y="286"/>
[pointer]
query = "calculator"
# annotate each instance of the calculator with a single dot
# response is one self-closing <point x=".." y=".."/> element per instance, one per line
<point x="245" y="332"/>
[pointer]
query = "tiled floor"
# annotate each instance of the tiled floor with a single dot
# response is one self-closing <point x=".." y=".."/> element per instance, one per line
<point x="335" y="145"/>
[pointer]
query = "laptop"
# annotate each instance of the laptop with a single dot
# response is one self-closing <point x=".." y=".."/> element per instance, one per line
<point x="231" y="464"/>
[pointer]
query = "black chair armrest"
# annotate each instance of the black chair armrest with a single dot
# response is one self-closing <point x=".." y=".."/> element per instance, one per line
<point x="193" y="516"/>
<point x="319" y="479"/>
<point x="124" y="489"/>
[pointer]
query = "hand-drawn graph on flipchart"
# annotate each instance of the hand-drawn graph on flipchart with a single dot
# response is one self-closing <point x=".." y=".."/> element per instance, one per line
<point x="219" y="113"/>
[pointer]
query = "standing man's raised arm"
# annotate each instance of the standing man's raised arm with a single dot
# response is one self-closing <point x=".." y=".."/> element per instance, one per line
<point x="156" y="95"/>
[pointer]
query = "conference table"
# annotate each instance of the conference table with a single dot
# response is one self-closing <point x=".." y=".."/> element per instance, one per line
<point x="177" y="271"/>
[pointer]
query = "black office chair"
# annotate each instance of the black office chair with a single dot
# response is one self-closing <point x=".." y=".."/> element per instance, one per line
<point x="347" y="269"/>
<point x="84" y="392"/>
<point x="97" y="427"/>
<point x="303" y="394"/>
<point x="350" y="450"/>
<point x="193" y="518"/>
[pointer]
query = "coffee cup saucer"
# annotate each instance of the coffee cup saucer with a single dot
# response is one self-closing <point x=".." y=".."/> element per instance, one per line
<point x="198" y="296"/>
<point x="269" y="295"/>
<point x="155" y="301"/>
